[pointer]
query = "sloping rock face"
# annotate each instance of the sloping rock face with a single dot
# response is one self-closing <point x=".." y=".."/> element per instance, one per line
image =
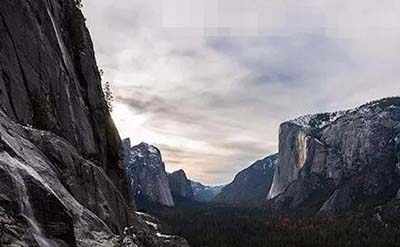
<point x="204" y="193"/>
<point x="57" y="200"/>
<point x="337" y="161"/>
<point x="180" y="185"/>
<point x="250" y="186"/>
<point x="146" y="172"/>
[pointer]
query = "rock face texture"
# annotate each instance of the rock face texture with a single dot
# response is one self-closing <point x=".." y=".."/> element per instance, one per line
<point x="147" y="233"/>
<point x="180" y="186"/>
<point x="62" y="179"/>
<point x="52" y="196"/>
<point x="147" y="175"/>
<point x="336" y="161"/>
<point x="250" y="186"/>
<point x="49" y="78"/>
<point x="204" y="193"/>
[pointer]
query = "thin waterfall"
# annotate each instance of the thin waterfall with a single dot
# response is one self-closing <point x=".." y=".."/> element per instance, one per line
<point x="27" y="212"/>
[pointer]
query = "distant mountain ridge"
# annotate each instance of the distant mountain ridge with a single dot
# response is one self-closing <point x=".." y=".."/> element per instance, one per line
<point x="180" y="185"/>
<point x="328" y="161"/>
<point x="150" y="181"/>
<point x="205" y="193"/>
<point x="250" y="186"/>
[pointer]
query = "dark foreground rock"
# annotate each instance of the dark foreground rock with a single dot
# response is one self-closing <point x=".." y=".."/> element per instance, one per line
<point x="47" y="203"/>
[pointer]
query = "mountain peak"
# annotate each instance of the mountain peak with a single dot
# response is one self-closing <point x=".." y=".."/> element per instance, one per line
<point x="180" y="172"/>
<point x="147" y="174"/>
<point x="145" y="147"/>
<point x="251" y="185"/>
<point x="180" y="186"/>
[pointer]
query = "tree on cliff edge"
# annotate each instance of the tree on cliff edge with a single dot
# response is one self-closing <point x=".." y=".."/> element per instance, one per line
<point x="108" y="95"/>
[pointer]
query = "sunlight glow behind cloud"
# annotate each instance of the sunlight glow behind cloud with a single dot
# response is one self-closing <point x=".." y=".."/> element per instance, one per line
<point x="209" y="82"/>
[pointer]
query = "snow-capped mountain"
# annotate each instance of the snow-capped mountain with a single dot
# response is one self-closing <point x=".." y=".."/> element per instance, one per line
<point x="250" y="186"/>
<point x="340" y="160"/>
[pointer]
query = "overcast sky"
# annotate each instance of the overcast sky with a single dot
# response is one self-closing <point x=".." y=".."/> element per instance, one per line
<point x="209" y="81"/>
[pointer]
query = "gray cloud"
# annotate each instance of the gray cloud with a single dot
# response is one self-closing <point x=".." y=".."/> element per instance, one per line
<point x="209" y="82"/>
<point x="295" y="60"/>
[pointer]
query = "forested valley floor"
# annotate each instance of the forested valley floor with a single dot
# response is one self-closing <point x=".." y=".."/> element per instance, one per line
<point x="226" y="226"/>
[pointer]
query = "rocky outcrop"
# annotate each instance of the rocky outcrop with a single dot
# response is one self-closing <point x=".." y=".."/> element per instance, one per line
<point x="205" y="193"/>
<point x="250" y="186"/>
<point x="337" y="161"/>
<point x="88" y="183"/>
<point x="147" y="233"/>
<point x="57" y="200"/>
<point x="146" y="172"/>
<point x="180" y="186"/>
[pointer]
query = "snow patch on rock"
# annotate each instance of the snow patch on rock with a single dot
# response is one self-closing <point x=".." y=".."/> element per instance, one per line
<point x="318" y="121"/>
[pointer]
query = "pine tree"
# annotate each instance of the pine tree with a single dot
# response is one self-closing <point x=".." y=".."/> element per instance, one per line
<point x="108" y="95"/>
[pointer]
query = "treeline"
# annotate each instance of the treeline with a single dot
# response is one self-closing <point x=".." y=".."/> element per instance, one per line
<point x="220" y="226"/>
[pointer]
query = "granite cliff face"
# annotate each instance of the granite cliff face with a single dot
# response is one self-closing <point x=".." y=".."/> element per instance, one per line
<point x="147" y="175"/>
<point x="250" y="186"/>
<point x="49" y="78"/>
<point x="62" y="179"/>
<point x="337" y="161"/>
<point x="180" y="186"/>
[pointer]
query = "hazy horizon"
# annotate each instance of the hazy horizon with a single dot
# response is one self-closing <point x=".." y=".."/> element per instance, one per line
<point x="209" y="82"/>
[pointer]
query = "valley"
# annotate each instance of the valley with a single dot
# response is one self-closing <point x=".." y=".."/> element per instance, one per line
<point x="218" y="225"/>
<point x="204" y="105"/>
<point x="310" y="194"/>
